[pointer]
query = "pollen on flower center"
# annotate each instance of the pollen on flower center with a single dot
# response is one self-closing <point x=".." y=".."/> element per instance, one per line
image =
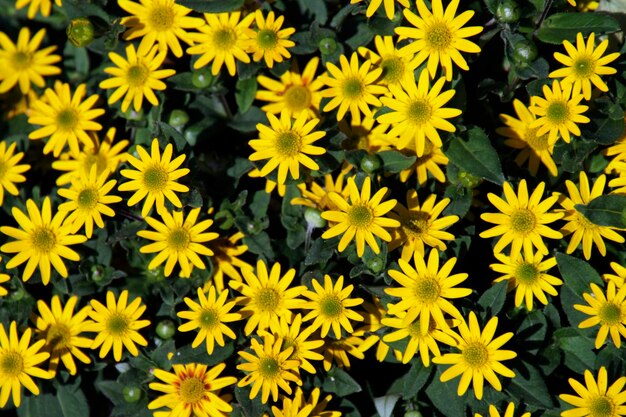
<point x="298" y="97"/>
<point x="269" y="367"/>
<point x="331" y="306"/>
<point x="584" y="67"/>
<point x="360" y="216"/>
<point x="136" y="75"/>
<point x="209" y="318"/>
<point x="191" y="390"/>
<point x="601" y="407"/>
<point x="476" y="355"/>
<point x="12" y="364"/>
<point x="155" y="178"/>
<point x="523" y="221"/>
<point x="88" y="198"/>
<point x="557" y="112"/>
<point x="117" y="324"/>
<point x="267" y="38"/>
<point x="419" y="111"/>
<point x="439" y="36"/>
<point x="161" y="18"/>
<point x="288" y="143"/>
<point x="67" y="119"/>
<point x="21" y="60"/>
<point x="526" y="273"/>
<point x="415" y="329"/>
<point x="352" y="88"/>
<point x="43" y="239"/>
<point x="417" y="223"/>
<point x="610" y="314"/>
<point x="59" y="336"/>
<point x="268" y="299"/>
<point x="224" y="39"/>
<point x="392" y="67"/>
<point x="539" y="143"/>
<point x="179" y="239"/>
<point x="427" y="290"/>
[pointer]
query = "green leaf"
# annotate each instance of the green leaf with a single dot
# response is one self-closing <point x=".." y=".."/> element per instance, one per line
<point x="212" y="6"/>
<point x="493" y="299"/>
<point x="412" y="382"/>
<point x="72" y="401"/>
<point x="248" y="407"/>
<point x="578" y="353"/>
<point x="317" y="8"/>
<point x="340" y="382"/>
<point x="532" y="331"/>
<point x="564" y="26"/>
<point x="444" y="397"/>
<point x="170" y="133"/>
<point x="606" y="210"/>
<point x="476" y="156"/>
<point x="320" y="252"/>
<point x="394" y="161"/>
<point x="245" y="91"/>
<point x="577" y="275"/>
<point x="42" y="405"/>
<point x="260" y="202"/>
<point x="529" y="386"/>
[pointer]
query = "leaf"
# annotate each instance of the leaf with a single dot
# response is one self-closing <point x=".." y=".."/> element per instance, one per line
<point x="385" y="405"/>
<point x="320" y="252"/>
<point x="317" y="8"/>
<point x="72" y="401"/>
<point x="212" y="6"/>
<point x="529" y="387"/>
<point x="249" y="407"/>
<point x="245" y="91"/>
<point x="564" y="26"/>
<point x="340" y="382"/>
<point x="412" y="382"/>
<point x="577" y="275"/>
<point x="606" y="210"/>
<point x="394" y="161"/>
<point x="532" y="331"/>
<point x="476" y="156"/>
<point x="578" y="353"/>
<point x="260" y="202"/>
<point x="171" y="133"/>
<point x="493" y="299"/>
<point x="444" y="397"/>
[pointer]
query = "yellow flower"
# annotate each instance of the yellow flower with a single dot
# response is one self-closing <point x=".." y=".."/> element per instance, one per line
<point x="287" y="144"/>
<point x="154" y="178"/>
<point x="578" y="225"/>
<point x="192" y="389"/>
<point x="330" y="306"/>
<point x="480" y="356"/>
<point x="398" y="65"/>
<point x="523" y="220"/>
<point x="159" y="21"/>
<point x="353" y="87"/>
<point x="527" y="275"/>
<point x="43" y="6"/>
<point x="361" y="219"/>
<point x="427" y="163"/>
<point x="596" y="399"/>
<point x="295" y="92"/>
<point x="3" y="279"/>
<point x="62" y="330"/>
<point x="210" y="317"/>
<point x="318" y="197"/>
<point x="268" y="41"/>
<point x="607" y="310"/>
<point x="269" y="184"/>
<point x="41" y="240"/>
<point x="584" y="65"/>
<point x="419" y="225"/>
<point x="221" y="41"/>
<point x="534" y="148"/>
<point x="65" y="118"/>
<point x="18" y="362"/>
<point x="23" y="63"/>
<point x="298" y="406"/>
<point x="390" y="8"/>
<point x="178" y="240"/>
<point x="117" y="324"/>
<point x="425" y="290"/>
<point x="440" y="36"/>
<point x="136" y="76"/>
<point x="266" y="296"/>
<point x="268" y="369"/>
<point x="303" y="349"/>
<point x="559" y="112"/>
<point x="10" y="171"/>
<point x="225" y="260"/>
<point x="338" y="350"/>
<point x="417" y="112"/>
<point x="619" y="277"/>
<point x="509" y="412"/>
<point x="367" y="134"/>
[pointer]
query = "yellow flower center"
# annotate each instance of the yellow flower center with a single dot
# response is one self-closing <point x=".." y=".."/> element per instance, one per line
<point x="137" y="75"/>
<point x="584" y="222"/>
<point x="268" y="299"/>
<point x="43" y="239"/>
<point x="601" y="407"/>
<point x="267" y="38"/>
<point x="526" y="273"/>
<point x="557" y="112"/>
<point x="416" y="224"/>
<point x="415" y="329"/>
<point x="117" y="324"/>
<point x="523" y="221"/>
<point x="393" y="69"/>
<point x="67" y="119"/>
<point x="97" y="159"/>
<point x="331" y="306"/>
<point x="11" y="364"/>
<point x="610" y="314"/>
<point x="289" y="342"/>
<point x="352" y="88"/>
<point x="360" y="216"/>
<point x="439" y="36"/>
<point x="179" y="239"/>
<point x="584" y="67"/>
<point x="161" y="18"/>
<point x="59" y="336"/>
<point x="88" y="199"/>
<point x="419" y="111"/>
<point x="427" y="290"/>
<point x="155" y="178"/>
<point x="476" y="355"/>
<point x="209" y="318"/>
<point x="297" y="98"/>
<point x="20" y="60"/>
<point x="224" y="39"/>
<point x="288" y="144"/>
<point x="191" y="390"/>
<point x="538" y="143"/>
<point x="269" y="368"/>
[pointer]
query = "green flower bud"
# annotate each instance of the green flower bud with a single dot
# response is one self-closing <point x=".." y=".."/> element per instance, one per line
<point x="166" y="329"/>
<point x="524" y="52"/>
<point x="468" y="180"/>
<point x="80" y="31"/>
<point x="375" y="265"/>
<point x="370" y="164"/>
<point x="202" y="78"/>
<point x="131" y="393"/>
<point x="314" y="218"/>
<point x="507" y="12"/>
<point x="178" y="119"/>
<point x="327" y="46"/>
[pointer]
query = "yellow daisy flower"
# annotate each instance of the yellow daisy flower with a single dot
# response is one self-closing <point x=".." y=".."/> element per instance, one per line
<point x="62" y="330"/>
<point x="298" y="406"/>
<point x="295" y="92"/>
<point x="619" y="277"/>
<point x="559" y="111"/>
<point x="65" y="118"/>
<point x="268" y="41"/>
<point x="210" y="317"/>
<point x="225" y="260"/>
<point x="618" y="153"/>
<point x="10" y="169"/>
<point x="34" y="6"/>
<point x="136" y="76"/>
<point x="417" y="112"/>
<point x="578" y="225"/>
<point x="41" y="240"/>
<point x="192" y="389"/>
<point x="398" y="65"/>
<point x="362" y="218"/>
<point x="330" y="306"/>
<point x="353" y="87"/>
<point x="316" y="196"/>
<point x="527" y="274"/>
<point x="18" y="362"/>
<point x="584" y="65"/>
<point x="266" y="296"/>
<point x="586" y="5"/>
<point x="337" y="351"/>
<point x="23" y="63"/>
<point x="154" y="178"/>
<point x="221" y="41"/>
<point x="303" y="349"/>
<point x="367" y="134"/>
<point x="534" y="148"/>
<point x="426" y="289"/>
<point x="440" y="36"/>
<point x="523" y="220"/>
<point x="268" y="368"/>
<point x="596" y="399"/>
<point x="88" y="201"/>
<point x="508" y="412"/>
<point x="3" y="279"/>
<point x="606" y="310"/>
<point x="420" y="224"/>
<point x="479" y="358"/>
<point x="390" y="7"/>
<point x="159" y="21"/>
<point x="373" y="315"/>
<point x="429" y="162"/>
<point x="178" y="240"/>
<point x="117" y="324"/>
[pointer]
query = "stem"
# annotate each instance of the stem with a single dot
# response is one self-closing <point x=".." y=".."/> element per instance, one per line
<point x="544" y="14"/>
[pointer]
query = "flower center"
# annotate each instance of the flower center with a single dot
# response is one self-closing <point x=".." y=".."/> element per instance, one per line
<point x="4" y="167"/>
<point x="224" y="39"/>
<point x="360" y="216"/>
<point x="161" y="18"/>
<point x="476" y="355"/>
<point x="179" y="239"/>
<point x="191" y="390"/>
<point x="610" y="314"/>
<point x="289" y="342"/>
<point x="584" y="67"/>
<point x="584" y="222"/>
<point x="297" y="98"/>
<point x="526" y="273"/>
<point x="415" y="329"/>
<point x="419" y="111"/>
<point x="268" y="299"/>
<point x="137" y="75"/>
<point x="393" y="68"/>
<point x="522" y="221"/>
<point x="88" y="199"/>
<point x="67" y="119"/>
<point x="11" y="364"/>
<point x="97" y="159"/>
<point x="438" y="36"/>
<point x="269" y="368"/>
<point x="331" y="306"/>
<point x="417" y="223"/>
<point x="155" y="178"/>
<point x="209" y="318"/>
<point x="266" y="38"/>
<point x="117" y="324"/>
<point x="352" y="88"/>
<point x="21" y="60"/>
<point x="427" y="290"/>
<point x="538" y="143"/>
<point x="43" y="239"/>
<point x="288" y="144"/>
<point x="59" y="336"/>
<point x="557" y="112"/>
<point x="601" y="407"/>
